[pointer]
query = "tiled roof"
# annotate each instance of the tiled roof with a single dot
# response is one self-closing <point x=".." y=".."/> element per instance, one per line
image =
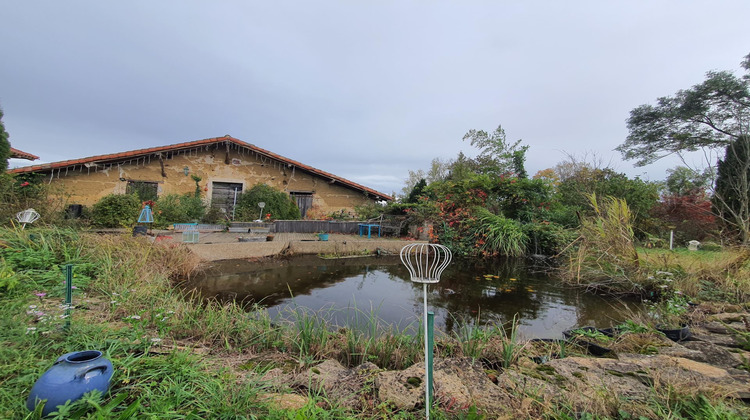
<point x="114" y="157"/>
<point x="18" y="154"/>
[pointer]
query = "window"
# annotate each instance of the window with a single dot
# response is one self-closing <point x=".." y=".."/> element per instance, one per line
<point x="145" y="190"/>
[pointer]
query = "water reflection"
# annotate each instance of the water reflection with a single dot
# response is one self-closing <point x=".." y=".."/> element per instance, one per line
<point x="469" y="292"/>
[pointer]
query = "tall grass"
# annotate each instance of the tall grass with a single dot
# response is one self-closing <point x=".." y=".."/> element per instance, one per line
<point x="498" y="235"/>
<point x="604" y="255"/>
<point x="706" y="275"/>
<point x="497" y="345"/>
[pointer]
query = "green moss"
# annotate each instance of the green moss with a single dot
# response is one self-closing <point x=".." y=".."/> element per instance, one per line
<point x="549" y="370"/>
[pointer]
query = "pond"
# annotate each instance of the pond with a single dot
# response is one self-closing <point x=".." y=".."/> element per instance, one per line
<point x="469" y="293"/>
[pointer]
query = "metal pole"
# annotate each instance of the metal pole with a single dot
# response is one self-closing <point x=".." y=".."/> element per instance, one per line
<point x="431" y="344"/>
<point x="426" y="359"/>
<point x="671" y="238"/>
<point x="68" y="293"/>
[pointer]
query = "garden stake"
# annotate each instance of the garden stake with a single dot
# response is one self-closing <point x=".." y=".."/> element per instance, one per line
<point x="425" y="263"/>
<point x="430" y="346"/>
<point x="68" y="293"/>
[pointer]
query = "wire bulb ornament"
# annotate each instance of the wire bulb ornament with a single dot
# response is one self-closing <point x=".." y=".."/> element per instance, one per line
<point x="426" y="262"/>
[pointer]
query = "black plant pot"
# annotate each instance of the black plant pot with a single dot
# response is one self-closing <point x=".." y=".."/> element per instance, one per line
<point x="593" y="348"/>
<point x="679" y="334"/>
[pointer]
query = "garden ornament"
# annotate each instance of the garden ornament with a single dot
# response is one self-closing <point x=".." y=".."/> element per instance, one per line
<point x="71" y="376"/>
<point x="426" y="262"/>
<point x="260" y="216"/>
<point x="27" y="216"/>
<point x="146" y="216"/>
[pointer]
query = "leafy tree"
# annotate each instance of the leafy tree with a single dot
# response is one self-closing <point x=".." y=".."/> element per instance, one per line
<point x="683" y="180"/>
<point x="439" y="171"/>
<point x="573" y="193"/>
<point x="417" y="191"/>
<point x="732" y="192"/>
<point x="4" y="145"/>
<point x="548" y="175"/>
<point x="497" y="154"/>
<point x="711" y="115"/>
<point x="689" y="215"/>
<point x="278" y="204"/>
<point x="708" y="115"/>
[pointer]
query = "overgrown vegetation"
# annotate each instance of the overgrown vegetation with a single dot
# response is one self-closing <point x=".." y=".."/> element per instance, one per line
<point x="178" y="208"/>
<point x="278" y="205"/>
<point x="18" y="193"/>
<point x="127" y="306"/>
<point x="116" y="211"/>
<point x="604" y="256"/>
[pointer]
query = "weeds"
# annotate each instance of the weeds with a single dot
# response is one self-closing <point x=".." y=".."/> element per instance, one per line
<point x="127" y="306"/>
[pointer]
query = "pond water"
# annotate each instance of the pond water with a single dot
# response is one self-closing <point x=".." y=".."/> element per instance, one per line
<point x="469" y="293"/>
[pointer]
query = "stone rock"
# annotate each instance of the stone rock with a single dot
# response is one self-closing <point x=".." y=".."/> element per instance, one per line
<point x="689" y="374"/>
<point x="727" y="317"/>
<point x="277" y="378"/>
<point x="587" y="377"/>
<point x="710" y="353"/>
<point x="457" y="383"/>
<point x="342" y="385"/>
<point x="702" y="334"/>
<point x="678" y="350"/>
<point x="581" y="381"/>
<point x="715" y="327"/>
<point x="285" y="401"/>
<point x="326" y="374"/>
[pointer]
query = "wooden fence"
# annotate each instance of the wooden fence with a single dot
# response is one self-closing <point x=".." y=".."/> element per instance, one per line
<point x="317" y="226"/>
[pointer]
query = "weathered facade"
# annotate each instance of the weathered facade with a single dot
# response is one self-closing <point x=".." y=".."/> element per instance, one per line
<point x="226" y="166"/>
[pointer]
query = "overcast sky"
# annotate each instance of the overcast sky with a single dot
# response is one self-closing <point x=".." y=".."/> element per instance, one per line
<point x="365" y="90"/>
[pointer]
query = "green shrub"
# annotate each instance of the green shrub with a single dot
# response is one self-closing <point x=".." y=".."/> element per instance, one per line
<point x="116" y="210"/>
<point x="176" y="208"/>
<point x="498" y="235"/>
<point x="214" y="215"/>
<point x="369" y="210"/>
<point x="278" y="204"/>
<point x="547" y="238"/>
<point x="710" y="246"/>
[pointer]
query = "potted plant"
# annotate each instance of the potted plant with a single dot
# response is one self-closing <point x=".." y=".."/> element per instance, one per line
<point x="597" y="342"/>
<point x="323" y="236"/>
<point x="669" y="315"/>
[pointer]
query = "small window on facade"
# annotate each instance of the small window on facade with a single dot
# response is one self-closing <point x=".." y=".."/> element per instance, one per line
<point x="145" y="190"/>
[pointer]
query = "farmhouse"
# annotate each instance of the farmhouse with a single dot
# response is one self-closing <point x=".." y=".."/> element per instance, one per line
<point x="225" y="165"/>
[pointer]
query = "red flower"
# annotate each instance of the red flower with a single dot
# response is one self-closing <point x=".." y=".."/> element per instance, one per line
<point x="24" y="184"/>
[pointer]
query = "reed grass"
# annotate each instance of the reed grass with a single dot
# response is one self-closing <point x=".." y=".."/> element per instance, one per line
<point x="604" y="255"/>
